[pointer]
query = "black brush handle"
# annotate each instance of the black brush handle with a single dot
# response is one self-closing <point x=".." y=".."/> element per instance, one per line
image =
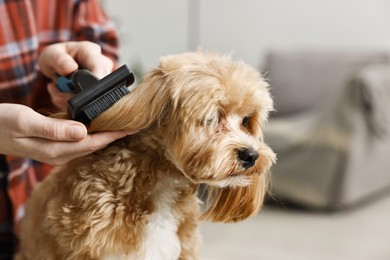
<point x="77" y="81"/>
<point x="83" y="79"/>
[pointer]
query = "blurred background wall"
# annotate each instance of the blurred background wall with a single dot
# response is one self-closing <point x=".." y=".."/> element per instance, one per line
<point x="247" y="28"/>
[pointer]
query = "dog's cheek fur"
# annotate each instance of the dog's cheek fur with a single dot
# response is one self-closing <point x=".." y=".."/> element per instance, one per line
<point x="200" y="154"/>
<point x="212" y="160"/>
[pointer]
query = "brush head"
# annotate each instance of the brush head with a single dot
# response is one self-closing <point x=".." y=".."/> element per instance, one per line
<point x="96" y="96"/>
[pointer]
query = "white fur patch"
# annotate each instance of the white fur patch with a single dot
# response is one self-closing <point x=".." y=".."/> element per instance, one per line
<point x="160" y="235"/>
<point x="161" y="240"/>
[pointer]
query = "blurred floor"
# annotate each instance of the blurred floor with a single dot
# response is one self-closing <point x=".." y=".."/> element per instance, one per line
<point x="283" y="234"/>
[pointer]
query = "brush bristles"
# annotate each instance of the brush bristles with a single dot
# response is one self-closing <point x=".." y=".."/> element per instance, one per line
<point x="98" y="106"/>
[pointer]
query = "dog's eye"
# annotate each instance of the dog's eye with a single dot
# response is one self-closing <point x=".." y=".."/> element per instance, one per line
<point x="210" y="121"/>
<point x="245" y="121"/>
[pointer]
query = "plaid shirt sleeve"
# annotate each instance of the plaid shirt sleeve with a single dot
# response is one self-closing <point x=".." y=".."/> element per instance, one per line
<point x="26" y="27"/>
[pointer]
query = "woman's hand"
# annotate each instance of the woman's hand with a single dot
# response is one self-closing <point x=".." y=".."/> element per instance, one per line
<point x="64" y="58"/>
<point x="26" y="133"/>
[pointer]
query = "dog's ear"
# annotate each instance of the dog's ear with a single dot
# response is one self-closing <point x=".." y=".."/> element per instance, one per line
<point x="232" y="204"/>
<point x="140" y="108"/>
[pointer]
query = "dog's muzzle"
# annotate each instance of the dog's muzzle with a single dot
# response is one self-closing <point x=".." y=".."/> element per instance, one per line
<point x="248" y="157"/>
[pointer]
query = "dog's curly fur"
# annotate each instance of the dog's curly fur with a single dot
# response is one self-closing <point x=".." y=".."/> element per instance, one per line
<point x="196" y="115"/>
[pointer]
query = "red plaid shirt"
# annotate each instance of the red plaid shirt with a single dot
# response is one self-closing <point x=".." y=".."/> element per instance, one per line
<point x="26" y="26"/>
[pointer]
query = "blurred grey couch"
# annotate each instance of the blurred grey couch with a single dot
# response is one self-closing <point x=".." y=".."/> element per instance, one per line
<point x="331" y="128"/>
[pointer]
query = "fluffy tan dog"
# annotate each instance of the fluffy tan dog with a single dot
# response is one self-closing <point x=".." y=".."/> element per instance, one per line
<point x="199" y="118"/>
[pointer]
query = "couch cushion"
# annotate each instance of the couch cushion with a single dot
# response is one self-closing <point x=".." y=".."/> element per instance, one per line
<point x="301" y="80"/>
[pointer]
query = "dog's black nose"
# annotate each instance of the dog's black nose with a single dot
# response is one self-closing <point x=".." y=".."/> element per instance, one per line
<point x="248" y="157"/>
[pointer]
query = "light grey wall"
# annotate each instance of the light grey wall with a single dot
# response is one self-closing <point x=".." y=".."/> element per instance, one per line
<point x="248" y="28"/>
<point x="149" y="29"/>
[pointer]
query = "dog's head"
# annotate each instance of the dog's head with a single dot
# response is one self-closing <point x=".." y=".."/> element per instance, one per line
<point x="207" y="113"/>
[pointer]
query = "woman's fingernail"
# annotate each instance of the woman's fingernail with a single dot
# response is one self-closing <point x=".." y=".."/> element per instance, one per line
<point x="78" y="132"/>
